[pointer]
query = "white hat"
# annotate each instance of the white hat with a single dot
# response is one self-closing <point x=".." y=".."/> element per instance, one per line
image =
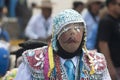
<point x="45" y="4"/>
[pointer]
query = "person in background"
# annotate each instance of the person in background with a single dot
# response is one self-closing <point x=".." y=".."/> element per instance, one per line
<point x="91" y="16"/>
<point x="4" y="57"/>
<point x="66" y="56"/>
<point x="23" y="14"/>
<point x="78" y="5"/>
<point x="39" y="26"/>
<point x="109" y="37"/>
<point x="4" y="35"/>
<point x="4" y="46"/>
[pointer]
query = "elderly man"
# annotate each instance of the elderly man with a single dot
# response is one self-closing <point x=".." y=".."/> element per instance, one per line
<point x="66" y="57"/>
<point x="39" y="26"/>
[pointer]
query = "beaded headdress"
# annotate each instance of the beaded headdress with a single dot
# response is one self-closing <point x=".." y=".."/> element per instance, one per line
<point x="62" y="19"/>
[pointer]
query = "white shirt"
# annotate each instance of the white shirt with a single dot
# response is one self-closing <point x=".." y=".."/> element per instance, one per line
<point x="36" y="29"/>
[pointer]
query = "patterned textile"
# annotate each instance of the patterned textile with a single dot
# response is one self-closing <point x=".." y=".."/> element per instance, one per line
<point x="37" y="72"/>
<point x="35" y="60"/>
<point x="98" y="62"/>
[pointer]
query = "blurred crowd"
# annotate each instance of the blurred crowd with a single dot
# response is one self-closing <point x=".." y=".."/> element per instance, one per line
<point x="102" y="19"/>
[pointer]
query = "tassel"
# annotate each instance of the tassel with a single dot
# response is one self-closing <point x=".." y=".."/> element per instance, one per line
<point x="92" y="71"/>
<point x="51" y="61"/>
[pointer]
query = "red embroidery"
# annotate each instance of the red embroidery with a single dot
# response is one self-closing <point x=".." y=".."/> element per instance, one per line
<point x="58" y="70"/>
<point x="36" y="60"/>
<point x="98" y="61"/>
<point x="84" y="79"/>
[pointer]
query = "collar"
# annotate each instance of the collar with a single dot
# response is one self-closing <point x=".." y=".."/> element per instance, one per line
<point x="74" y="60"/>
<point x="46" y="20"/>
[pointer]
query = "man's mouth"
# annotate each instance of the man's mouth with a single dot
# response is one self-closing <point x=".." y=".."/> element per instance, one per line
<point x="70" y="40"/>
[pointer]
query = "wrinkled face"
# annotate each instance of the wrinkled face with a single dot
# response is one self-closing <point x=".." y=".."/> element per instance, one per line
<point x="70" y="37"/>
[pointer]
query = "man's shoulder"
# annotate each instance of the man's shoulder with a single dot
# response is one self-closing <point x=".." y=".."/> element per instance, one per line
<point x="108" y="18"/>
<point x="36" y="17"/>
<point x="97" y="60"/>
<point x="34" y="58"/>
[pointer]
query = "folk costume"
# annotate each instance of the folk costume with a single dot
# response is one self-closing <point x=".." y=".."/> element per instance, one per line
<point x="51" y="62"/>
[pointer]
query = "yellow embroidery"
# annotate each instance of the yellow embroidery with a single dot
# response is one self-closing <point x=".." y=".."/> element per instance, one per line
<point x="92" y="71"/>
<point x="51" y="61"/>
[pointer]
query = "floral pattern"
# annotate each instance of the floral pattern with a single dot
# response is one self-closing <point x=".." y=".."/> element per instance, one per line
<point x="97" y="58"/>
<point x="98" y="61"/>
<point x="35" y="58"/>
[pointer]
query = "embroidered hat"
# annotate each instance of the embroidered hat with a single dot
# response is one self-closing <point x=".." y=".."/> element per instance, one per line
<point x="62" y="19"/>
